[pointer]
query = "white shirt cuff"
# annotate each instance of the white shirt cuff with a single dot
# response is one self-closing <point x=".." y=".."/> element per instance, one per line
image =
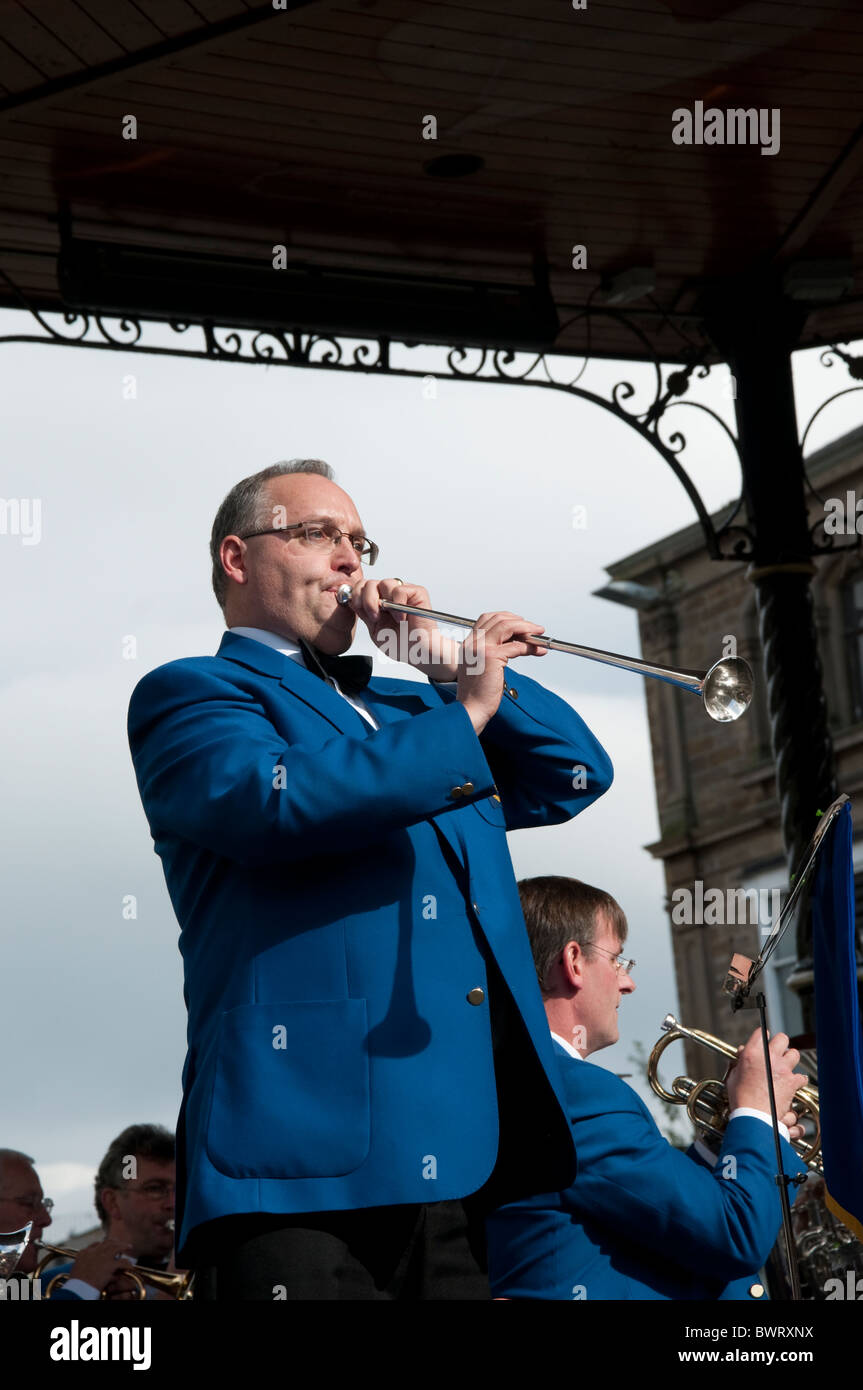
<point x="82" y="1289"/>
<point x="760" y="1115"/>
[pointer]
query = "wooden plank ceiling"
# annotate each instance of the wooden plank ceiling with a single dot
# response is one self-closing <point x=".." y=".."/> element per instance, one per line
<point x="304" y="126"/>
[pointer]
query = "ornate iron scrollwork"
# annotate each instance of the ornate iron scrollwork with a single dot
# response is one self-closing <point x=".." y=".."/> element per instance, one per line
<point x="648" y="412"/>
<point x="823" y="542"/>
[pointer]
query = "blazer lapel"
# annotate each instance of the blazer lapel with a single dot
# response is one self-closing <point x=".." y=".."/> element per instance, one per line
<point x="296" y="678"/>
<point x="387" y="706"/>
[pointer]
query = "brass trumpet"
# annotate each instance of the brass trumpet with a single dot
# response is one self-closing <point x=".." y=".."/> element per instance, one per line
<point x="707" y="1101"/>
<point x="178" y="1284"/>
<point x="13" y="1245"/>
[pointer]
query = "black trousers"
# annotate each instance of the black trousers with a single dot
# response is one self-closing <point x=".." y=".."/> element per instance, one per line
<point x="431" y="1251"/>
<point x="435" y="1251"/>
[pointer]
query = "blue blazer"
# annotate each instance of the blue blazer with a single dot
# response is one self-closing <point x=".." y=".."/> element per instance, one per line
<point x="642" y="1219"/>
<point x="339" y="891"/>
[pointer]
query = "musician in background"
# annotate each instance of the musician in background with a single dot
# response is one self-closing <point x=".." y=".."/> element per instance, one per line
<point x="134" y="1192"/>
<point x="134" y="1196"/>
<point x="642" y="1220"/>
<point x="22" y="1200"/>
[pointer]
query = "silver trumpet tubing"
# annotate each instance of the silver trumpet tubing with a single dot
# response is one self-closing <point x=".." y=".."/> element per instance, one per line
<point x="725" y="689"/>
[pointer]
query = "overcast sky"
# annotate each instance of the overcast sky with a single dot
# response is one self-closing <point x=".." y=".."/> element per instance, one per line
<point x="470" y="493"/>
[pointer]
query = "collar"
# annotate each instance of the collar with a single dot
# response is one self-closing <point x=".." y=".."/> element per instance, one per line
<point x="567" y="1047"/>
<point x="286" y="645"/>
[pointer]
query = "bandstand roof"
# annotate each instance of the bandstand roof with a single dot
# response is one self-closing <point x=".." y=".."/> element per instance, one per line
<point x="303" y="126"/>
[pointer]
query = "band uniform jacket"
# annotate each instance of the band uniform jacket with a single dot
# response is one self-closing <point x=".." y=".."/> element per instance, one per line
<point x="345" y="898"/>
<point x="642" y="1220"/>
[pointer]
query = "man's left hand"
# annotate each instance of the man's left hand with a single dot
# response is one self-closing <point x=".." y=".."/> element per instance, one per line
<point x="405" y="636"/>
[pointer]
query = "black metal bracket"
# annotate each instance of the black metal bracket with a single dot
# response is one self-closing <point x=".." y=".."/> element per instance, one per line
<point x="296" y="347"/>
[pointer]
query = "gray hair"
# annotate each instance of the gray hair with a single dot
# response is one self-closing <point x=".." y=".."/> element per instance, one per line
<point x="10" y="1155"/>
<point x="246" y="508"/>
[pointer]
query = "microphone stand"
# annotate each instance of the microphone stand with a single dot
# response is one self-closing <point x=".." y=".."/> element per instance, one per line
<point x="741" y="977"/>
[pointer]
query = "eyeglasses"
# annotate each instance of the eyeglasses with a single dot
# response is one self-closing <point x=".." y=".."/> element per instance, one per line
<point x="620" y="963"/>
<point x="31" y="1203"/>
<point x="155" y="1190"/>
<point x="322" y="535"/>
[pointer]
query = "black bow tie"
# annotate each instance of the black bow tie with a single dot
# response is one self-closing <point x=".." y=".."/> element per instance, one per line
<point x="352" y="673"/>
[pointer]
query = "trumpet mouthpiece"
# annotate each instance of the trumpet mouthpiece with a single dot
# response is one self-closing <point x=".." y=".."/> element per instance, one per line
<point x="668" y="1023"/>
<point x="343" y="593"/>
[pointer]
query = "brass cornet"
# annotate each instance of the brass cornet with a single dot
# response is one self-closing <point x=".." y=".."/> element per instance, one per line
<point x="178" y="1284"/>
<point x="13" y="1245"/>
<point x="707" y="1101"/>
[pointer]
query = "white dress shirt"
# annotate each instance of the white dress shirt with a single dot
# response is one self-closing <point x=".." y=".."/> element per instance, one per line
<point x="289" y="648"/>
<point x="567" y="1046"/>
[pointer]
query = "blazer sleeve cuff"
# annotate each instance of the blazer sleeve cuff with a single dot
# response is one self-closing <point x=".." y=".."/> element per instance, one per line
<point x="759" y="1115"/>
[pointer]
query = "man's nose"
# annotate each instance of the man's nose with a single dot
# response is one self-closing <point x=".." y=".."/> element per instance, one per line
<point x="41" y="1218"/>
<point x="627" y="984"/>
<point x="344" y="552"/>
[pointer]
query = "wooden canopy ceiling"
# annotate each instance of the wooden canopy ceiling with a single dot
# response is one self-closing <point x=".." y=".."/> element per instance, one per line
<point x="304" y="126"/>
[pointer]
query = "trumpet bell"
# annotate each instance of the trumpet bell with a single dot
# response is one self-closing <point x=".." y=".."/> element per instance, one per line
<point x="12" y="1246"/>
<point x="727" y="689"/>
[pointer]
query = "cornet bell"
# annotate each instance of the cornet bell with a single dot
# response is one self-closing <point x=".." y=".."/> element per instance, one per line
<point x="12" y="1247"/>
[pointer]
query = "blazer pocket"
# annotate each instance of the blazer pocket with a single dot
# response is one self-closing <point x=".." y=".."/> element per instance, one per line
<point x="490" y="809"/>
<point x="291" y="1090"/>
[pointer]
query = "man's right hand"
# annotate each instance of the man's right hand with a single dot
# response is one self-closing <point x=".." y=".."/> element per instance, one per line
<point x="747" y="1081"/>
<point x="493" y="640"/>
<point x="99" y="1263"/>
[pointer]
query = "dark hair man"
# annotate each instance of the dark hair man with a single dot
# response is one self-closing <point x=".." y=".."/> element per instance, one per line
<point x="641" y="1220"/>
<point x="134" y="1195"/>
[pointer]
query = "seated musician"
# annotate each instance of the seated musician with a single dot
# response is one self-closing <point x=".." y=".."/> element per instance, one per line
<point x="134" y="1197"/>
<point x="21" y="1202"/>
<point x="642" y="1220"/>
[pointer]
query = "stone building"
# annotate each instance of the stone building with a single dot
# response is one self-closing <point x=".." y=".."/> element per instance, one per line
<point x="715" y="783"/>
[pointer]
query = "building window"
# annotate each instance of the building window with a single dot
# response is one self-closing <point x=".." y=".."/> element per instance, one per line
<point x="852" y="598"/>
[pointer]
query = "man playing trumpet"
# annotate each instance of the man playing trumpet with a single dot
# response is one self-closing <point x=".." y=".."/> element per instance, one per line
<point x="367" y="1045"/>
<point x="642" y="1220"/>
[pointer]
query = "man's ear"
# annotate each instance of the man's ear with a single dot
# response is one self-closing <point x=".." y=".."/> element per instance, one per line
<point x="108" y="1198"/>
<point x="233" y="559"/>
<point x="573" y="964"/>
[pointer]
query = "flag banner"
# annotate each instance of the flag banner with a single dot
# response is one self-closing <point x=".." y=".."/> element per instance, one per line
<point x="838" y="1036"/>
